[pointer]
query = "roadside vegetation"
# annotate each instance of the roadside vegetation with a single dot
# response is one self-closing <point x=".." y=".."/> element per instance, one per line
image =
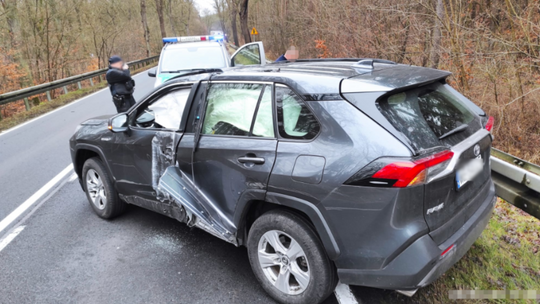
<point x="38" y="107"/>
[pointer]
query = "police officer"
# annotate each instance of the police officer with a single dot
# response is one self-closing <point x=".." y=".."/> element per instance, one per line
<point x="121" y="84"/>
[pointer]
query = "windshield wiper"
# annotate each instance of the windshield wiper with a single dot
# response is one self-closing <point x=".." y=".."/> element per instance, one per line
<point x="454" y="131"/>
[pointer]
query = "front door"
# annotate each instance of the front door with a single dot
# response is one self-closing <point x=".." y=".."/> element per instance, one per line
<point x="249" y="54"/>
<point x="161" y="113"/>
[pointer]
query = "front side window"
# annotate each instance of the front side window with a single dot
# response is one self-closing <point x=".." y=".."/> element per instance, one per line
<point x="230" y="108"/>
<point x="165" y="112"/>
<point x="295" y="120"/>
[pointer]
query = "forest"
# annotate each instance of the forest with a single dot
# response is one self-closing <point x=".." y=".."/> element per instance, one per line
<point x="492" y="47"/>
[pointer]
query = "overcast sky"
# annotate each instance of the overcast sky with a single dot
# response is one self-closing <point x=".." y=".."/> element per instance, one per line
<point x="203" y="5"/>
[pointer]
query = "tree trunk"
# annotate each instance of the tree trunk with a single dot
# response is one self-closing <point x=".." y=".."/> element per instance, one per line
<point x="233" y="8"/>
<point x="244" y="20"/>
<point x="171" y="20"/>
<point x="436" y="39"/>
<point x="159" y="9"/>
<point x="145" y="27"/>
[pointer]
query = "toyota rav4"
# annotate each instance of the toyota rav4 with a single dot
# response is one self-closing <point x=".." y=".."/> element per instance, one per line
<point x="358" y="170"/>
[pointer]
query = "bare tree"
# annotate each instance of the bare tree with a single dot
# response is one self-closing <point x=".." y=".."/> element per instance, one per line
<point x="437" y="35"/>
<point x="159" y="9"/>
<point x="244" y="20"/>
<point x="233" y="9"/>
<point x="145" y="27"/>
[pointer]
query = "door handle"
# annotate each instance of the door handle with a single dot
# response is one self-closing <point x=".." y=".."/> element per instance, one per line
<point x="254" y="160"/>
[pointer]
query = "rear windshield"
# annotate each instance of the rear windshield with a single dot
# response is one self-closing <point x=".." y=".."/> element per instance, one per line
<point x="175" y="60"/>
<point x="430" y="115"/>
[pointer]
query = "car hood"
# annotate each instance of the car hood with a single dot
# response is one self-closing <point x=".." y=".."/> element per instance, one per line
<point x="97" y="120"/>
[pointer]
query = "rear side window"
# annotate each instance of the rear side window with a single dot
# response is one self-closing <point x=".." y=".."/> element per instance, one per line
<point x="239" y="109"/>
<point x="295" y="120"/>
<point x="427" y="114"/>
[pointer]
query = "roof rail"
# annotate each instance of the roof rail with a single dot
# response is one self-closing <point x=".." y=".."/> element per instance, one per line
<point x="367" y="63"/>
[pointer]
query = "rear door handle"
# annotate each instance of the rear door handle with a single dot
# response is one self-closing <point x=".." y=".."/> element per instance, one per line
<point x="254" y="160"/>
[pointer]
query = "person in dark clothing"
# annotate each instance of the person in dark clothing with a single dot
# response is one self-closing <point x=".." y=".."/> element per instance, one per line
<point x="290" y="55"/>
<point x="121" y="84"/>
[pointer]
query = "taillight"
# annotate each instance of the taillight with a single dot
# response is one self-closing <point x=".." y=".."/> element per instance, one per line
<point x="489" y="123"/>
<point x="401" y="173"/>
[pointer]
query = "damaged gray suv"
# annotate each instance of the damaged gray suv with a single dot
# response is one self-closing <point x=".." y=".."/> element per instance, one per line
<point x="363" y="171"/>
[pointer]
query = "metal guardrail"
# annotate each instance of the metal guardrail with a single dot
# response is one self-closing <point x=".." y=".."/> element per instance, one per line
<point x="63" y="83"/>
<point x="516" y="181"/>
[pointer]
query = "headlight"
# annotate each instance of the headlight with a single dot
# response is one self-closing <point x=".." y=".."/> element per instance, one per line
<point x="77" y="128"/>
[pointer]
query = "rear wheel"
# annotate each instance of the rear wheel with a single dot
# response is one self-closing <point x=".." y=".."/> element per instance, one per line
<point x="289" y="260"/>
<point x="100" y="190"/>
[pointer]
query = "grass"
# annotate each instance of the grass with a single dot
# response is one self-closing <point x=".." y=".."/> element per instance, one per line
<point x="505" y="257"/>
<point x="47" y="106"/>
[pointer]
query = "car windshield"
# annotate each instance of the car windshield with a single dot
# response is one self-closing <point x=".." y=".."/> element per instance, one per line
<point x="175" y="60"/>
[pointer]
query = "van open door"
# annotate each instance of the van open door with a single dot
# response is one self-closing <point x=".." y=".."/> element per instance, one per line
<point x="249" y="54"/>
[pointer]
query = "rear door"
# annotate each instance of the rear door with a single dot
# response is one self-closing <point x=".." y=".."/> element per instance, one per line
<point x="236" y="146"/>
<point x="436" y="117"/>
<point x="226" y="154"/>
<point x="249" y="54"/>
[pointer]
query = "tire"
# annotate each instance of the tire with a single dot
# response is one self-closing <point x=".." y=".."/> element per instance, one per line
<point x="100" y="190"/>
<point x="311" y="262"/>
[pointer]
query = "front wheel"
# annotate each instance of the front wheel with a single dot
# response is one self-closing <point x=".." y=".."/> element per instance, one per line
<point x="100" y="190"/>
<point x="289" y="260"/>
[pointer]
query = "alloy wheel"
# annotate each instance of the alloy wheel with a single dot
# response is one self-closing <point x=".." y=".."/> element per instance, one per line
<point x="96" y="189"/>
<point x="284" y="262"/>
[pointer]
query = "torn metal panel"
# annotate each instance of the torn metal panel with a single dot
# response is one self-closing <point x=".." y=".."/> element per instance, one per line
<point x="163" y="148"/>
<point x="166" y="208"/>
<point x="172" y="185"/>
<point x="177" y="187"/>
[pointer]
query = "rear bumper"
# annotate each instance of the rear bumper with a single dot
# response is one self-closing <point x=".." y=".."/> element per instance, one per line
<point x="421" y="263"/>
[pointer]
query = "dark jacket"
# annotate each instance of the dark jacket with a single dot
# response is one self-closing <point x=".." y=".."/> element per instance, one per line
<point x="281" y="58"/>
<point x="120" y="82"/>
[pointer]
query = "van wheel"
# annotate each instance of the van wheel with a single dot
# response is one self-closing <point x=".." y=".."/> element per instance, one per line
<point x="289" y="260"/>
<point x="100" y="190"/>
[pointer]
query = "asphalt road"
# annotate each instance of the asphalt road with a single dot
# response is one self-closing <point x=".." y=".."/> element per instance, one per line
<point x="59" y="251"/>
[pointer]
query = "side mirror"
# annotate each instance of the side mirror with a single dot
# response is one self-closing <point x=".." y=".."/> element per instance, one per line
<point x="118" y="123"/>
<point x="152" y="73"/>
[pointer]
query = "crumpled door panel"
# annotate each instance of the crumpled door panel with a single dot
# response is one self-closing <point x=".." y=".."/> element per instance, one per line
<point x="171" y="184"/>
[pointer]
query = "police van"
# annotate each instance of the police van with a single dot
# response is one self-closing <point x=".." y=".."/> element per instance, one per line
<point x="182" y="55"/>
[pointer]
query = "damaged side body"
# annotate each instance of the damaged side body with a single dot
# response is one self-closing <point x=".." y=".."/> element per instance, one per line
<point x="172" y="185"/>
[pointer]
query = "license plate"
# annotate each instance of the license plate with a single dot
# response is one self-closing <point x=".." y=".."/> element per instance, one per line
<point x="469" y="171"/>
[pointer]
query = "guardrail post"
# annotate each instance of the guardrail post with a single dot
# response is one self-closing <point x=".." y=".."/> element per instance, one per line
<point x="65" y="90"/>
<point x="91" y="82"/>
<point x="26" y="104"/>
<point x="48" y="95"/>
<point x="79" y="85"/>
<point x="100" y="79"/>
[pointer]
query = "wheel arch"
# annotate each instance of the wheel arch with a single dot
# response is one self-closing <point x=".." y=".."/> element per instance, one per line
<point x="254" y="208"/>
<point x="83" y="152"/>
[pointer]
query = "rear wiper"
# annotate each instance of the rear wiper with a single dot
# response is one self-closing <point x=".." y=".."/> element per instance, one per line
<point x="454" y="131"/>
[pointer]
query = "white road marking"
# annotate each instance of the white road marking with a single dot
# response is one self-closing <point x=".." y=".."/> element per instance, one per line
<point x="58" y="109"/>
<point x="5" y="241"/>
<point x="344" y="295"/>
<point x="15" y="214"/>
<point x="73" y="177"/>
